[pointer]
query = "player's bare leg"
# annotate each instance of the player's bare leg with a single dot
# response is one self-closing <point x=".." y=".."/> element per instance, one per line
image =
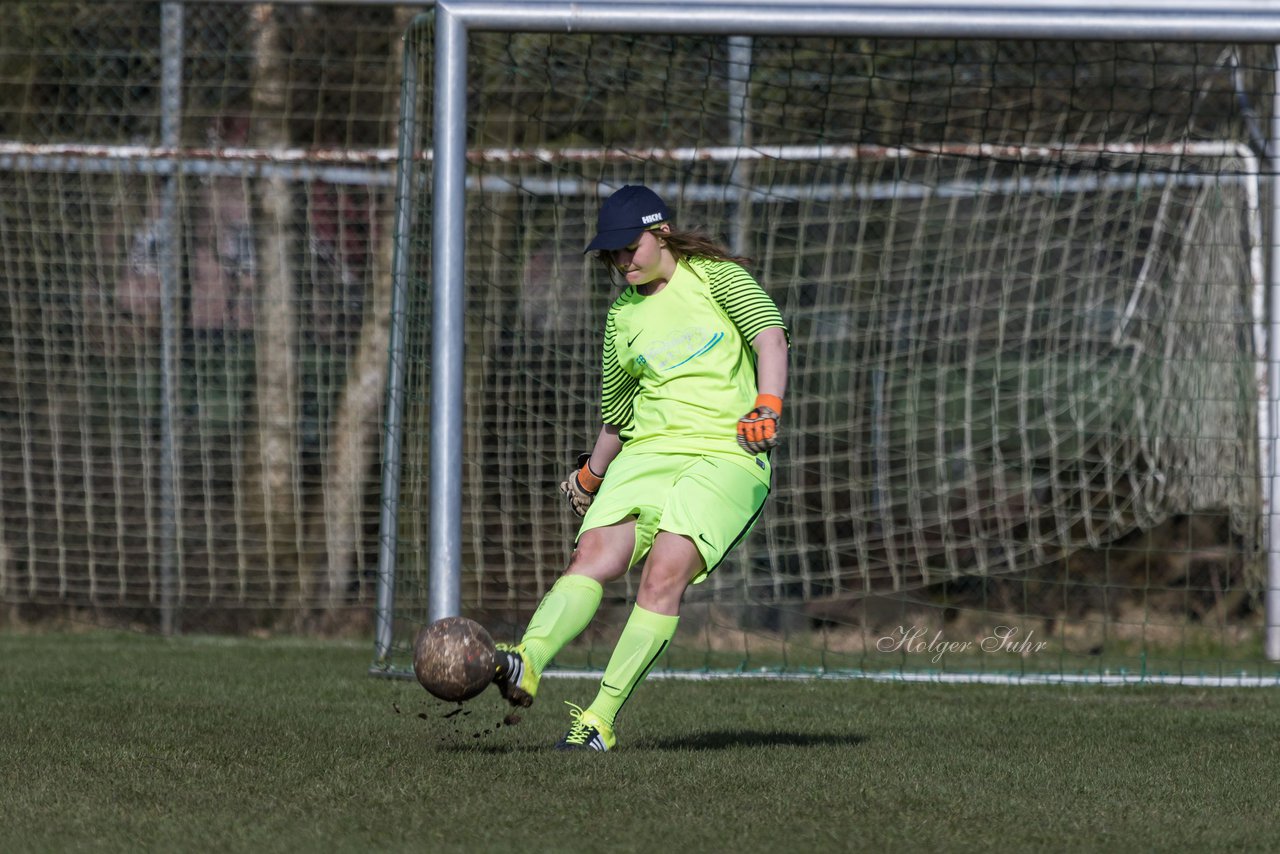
<point x="604" y="554"/>
<point x="672" y="564"/>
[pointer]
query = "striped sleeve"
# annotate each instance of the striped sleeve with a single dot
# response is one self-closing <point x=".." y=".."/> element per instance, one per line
<point x="617" y="387"/>
<point x="748" y="306"/>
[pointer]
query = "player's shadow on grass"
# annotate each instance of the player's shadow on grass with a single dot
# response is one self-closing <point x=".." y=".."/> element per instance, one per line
<point x="735" y="739"/>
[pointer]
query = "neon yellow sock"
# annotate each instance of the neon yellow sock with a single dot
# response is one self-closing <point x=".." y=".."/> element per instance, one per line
<point x="561" y="616"/>
<point x="643" y="640"/>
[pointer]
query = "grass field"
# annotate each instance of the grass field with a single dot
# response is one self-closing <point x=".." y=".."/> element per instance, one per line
<point x="118" y="742"/>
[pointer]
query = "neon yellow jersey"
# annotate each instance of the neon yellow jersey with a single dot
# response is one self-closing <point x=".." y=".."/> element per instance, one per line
<point x="679" y="370"/>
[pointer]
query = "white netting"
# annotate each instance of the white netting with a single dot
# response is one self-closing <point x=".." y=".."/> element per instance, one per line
<point x="1022" y="296"/>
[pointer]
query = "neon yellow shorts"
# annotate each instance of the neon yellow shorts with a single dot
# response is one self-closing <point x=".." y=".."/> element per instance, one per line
<point x="711" y="500"/>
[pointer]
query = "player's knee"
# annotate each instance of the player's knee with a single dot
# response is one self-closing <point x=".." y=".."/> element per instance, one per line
<point x="663" y="580"/>
<point x="594" y="561"/>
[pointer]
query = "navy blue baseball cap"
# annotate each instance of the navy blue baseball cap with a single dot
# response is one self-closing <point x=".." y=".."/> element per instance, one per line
<point x="625" y="215"/>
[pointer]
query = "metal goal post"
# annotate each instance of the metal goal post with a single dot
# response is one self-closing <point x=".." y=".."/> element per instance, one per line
<point x="1249" y="21"/>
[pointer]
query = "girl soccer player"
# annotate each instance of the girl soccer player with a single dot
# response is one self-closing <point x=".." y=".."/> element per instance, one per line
<point x="695" y="368"/>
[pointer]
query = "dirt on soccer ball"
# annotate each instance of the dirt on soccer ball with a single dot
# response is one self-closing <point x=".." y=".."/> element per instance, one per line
<point x="454" y="659"/>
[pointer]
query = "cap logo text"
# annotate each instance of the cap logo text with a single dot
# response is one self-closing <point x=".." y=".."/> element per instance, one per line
<point x="648" y="219"/>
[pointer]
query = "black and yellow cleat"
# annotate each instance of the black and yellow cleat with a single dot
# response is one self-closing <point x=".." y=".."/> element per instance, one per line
<point x="588" y="732"/>
<point x="516" y="679"/>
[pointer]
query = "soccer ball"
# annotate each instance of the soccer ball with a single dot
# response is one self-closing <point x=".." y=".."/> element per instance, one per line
<point x="454" y="659"/>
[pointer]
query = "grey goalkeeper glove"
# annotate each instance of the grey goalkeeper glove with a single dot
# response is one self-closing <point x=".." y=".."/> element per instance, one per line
<point x="582" y="485"/>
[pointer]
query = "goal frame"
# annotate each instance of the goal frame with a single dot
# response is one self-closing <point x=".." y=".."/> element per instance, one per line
<point x="1250" y="21"/>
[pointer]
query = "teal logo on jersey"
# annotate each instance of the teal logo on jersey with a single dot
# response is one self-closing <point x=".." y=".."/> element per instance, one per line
<point x="679" y="349"/>
<point x="715" y="339"/>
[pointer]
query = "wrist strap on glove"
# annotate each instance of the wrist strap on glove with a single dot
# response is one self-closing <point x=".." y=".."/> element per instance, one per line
<point x="770" y="400"/>
<point x="587" y="479"/>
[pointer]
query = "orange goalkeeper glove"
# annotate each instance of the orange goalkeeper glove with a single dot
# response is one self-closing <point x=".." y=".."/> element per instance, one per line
<point x="582" y="485"/>
<point x="758" y="429"/>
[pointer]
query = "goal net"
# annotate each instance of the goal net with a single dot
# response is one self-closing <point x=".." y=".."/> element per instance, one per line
<point x="1023" y="282"/>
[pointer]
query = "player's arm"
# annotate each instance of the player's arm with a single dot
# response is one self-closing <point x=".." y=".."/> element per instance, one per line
<point x="757" y="317"/>
<point x="608" y="445"/>
<point x="771" y="361"/>
<point x="618" y="391"/>
<point x="758" y="429"/>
